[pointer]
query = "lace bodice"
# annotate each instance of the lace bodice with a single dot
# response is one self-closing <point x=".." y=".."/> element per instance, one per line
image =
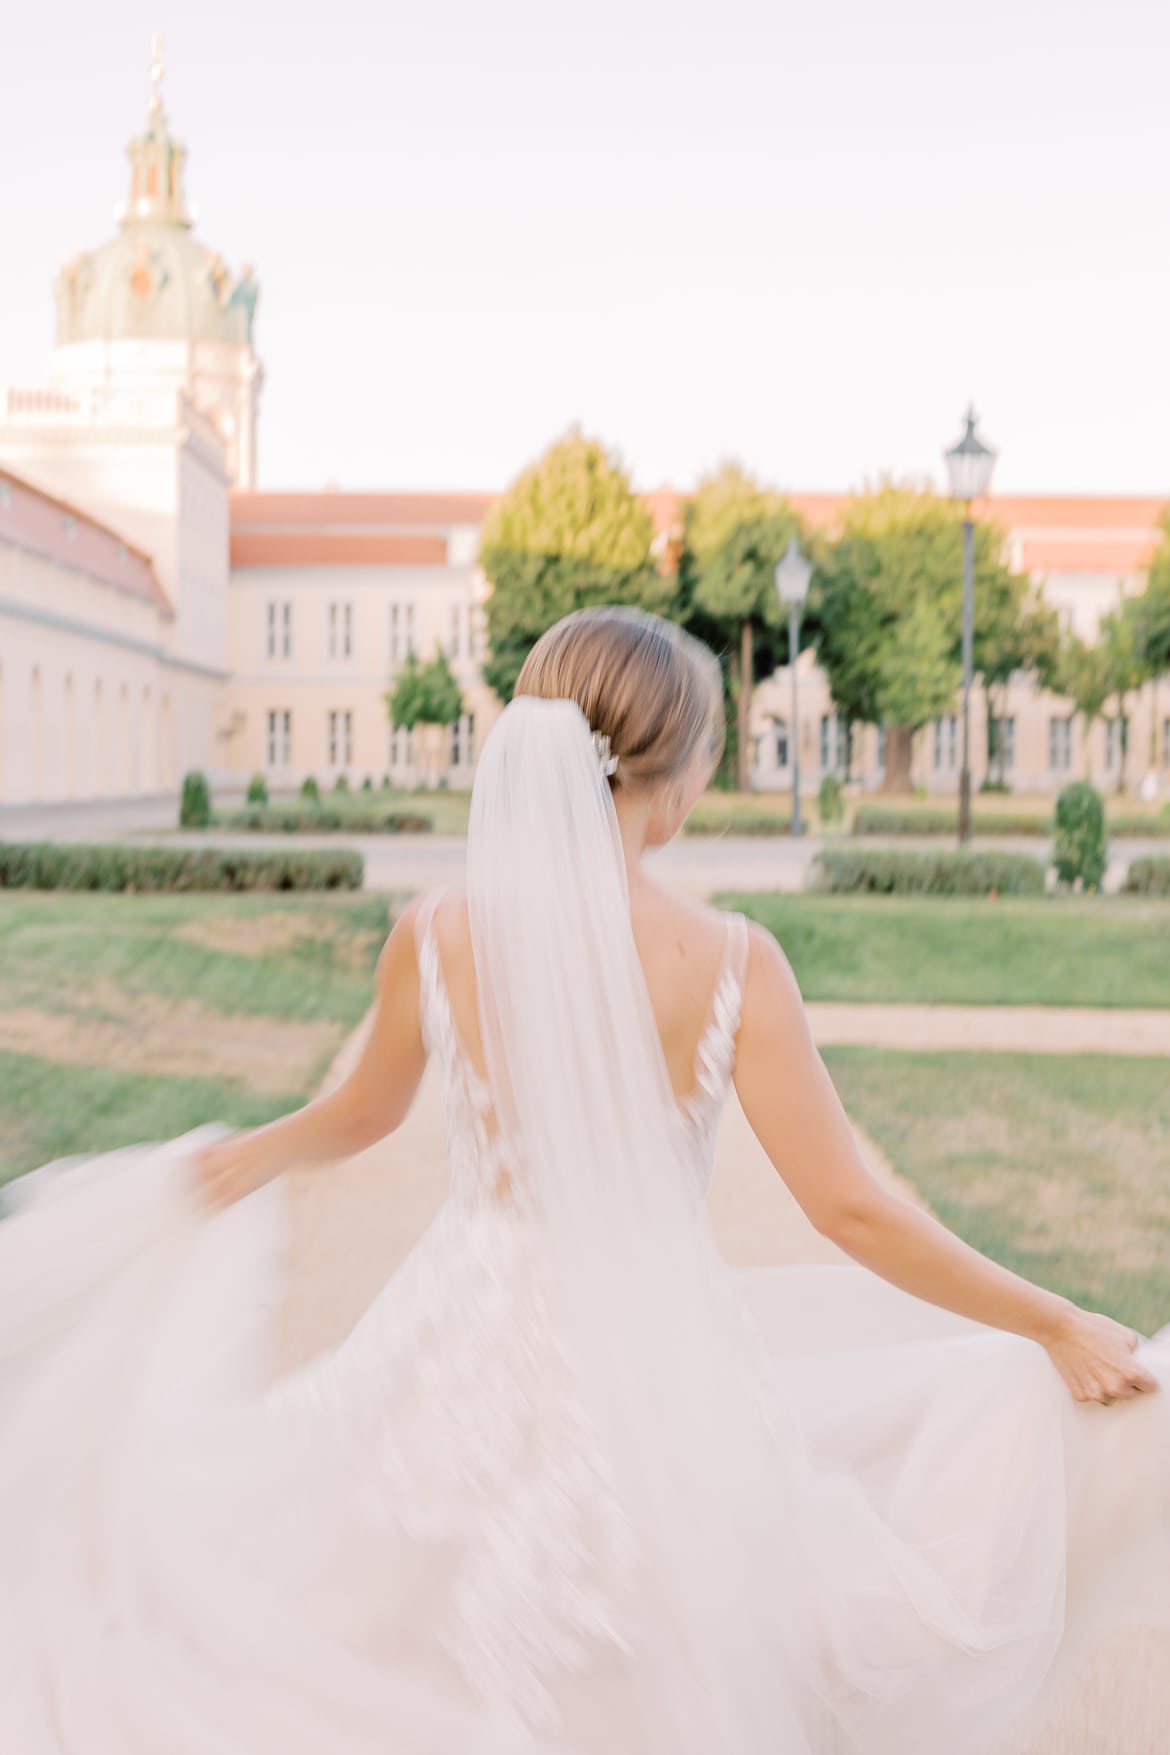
<point x="479" y="1153"/>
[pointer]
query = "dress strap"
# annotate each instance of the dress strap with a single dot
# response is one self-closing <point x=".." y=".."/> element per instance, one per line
<point x="716" y="1052"/>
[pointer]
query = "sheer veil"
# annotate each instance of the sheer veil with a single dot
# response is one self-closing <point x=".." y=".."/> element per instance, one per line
<point x="775" y="1609"/>
<point x="583" y="1096"/>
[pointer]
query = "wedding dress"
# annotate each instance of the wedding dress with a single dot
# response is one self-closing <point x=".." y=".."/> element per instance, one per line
<point x="570" y="1485"/>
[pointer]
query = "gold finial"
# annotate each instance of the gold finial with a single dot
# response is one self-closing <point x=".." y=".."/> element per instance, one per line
<point x="156" y="72"/>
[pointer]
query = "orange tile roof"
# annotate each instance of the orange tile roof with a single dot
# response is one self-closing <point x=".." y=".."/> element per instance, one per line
<point x="344" y="548"/>
<point x="35" y="520"/>
<point x="250" y="509"/>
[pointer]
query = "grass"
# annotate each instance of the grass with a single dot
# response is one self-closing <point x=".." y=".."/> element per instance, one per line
<point x="1057" y="1167"/>
<point x="136" y="1017"/>
<point x="1067" y="951"/>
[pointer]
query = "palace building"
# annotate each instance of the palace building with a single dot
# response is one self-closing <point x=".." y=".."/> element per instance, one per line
<point x="159" y="613"/>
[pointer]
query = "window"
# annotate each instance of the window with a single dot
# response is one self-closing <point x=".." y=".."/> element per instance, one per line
<point x="279" y="737"/>
<point x="881" y="749"/>
<point x="1001" y="742"/>
<point x="1116" y="741"/>
<point x="1166" y="743"/>
<point x="780" y="734"/>
<point x="341" y="630"/>
<point x="278" y="630"/>
<point x="463" y="741"/>
<point x="946" y="744"/>
<point x="1060" y="745"/>
<point x="340" y="739"/>
<point x="401" y="631"/>
<point x="453" y="643"/>
<point x="834" y="744"/>
<point x="401" y="747"/>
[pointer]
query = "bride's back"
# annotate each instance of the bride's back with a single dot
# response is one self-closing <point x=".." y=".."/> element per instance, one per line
<point x="681" y="946"/>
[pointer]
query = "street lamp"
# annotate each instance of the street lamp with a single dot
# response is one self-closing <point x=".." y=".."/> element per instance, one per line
<point x="793" y="573"/>
<point x="969" y="466"/>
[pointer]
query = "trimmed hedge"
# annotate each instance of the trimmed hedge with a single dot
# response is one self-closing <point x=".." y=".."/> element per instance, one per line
<point x="272" y="820"/>
<point x="701" y="822"/>
<point x="1148" y="877"/>
<point x="51" y="865"/>
<point x="1080" y="848"/>
<point x="851" y="871"/>
<point x="886" y="819"/>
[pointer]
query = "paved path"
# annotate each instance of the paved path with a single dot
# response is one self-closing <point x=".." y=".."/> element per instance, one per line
<point x="1012" y="1029"/>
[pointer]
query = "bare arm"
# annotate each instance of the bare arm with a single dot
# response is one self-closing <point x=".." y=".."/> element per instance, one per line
<point x="797" y="1117"/>
<point x="370" y="1103"/>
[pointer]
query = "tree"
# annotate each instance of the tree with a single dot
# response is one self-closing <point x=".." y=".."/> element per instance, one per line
<point x="1151" y="612"/>
<point x="1082" y="673"/>
<point x="1015" y="630"/>
<point x="1125" y="666"/>
<point x="887" y="597"/>
<point x="569" y="532"/>
<point x="735" y="533"/>
<point x="426" y="695"/>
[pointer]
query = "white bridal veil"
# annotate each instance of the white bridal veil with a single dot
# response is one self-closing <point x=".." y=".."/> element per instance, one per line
<point x="781" y="1613"/>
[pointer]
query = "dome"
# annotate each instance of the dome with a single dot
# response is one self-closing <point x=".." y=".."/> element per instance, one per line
<point x="155" y="280"/>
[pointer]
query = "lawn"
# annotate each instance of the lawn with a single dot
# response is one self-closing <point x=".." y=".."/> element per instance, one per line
<point x="136" y="1017"/>
<point x="1057" y="1167"/>
<point x="1045" y="951"/>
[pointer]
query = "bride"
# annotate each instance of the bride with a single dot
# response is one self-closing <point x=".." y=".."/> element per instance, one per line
<point x="571" y="1485"/>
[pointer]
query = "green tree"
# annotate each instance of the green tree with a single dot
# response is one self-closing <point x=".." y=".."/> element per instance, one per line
<point x="425" y="694"/>
<point x="1015" y="630"/>
<point x="569" y="532"/>
<point x="1082" y="673"/>
<point x="1151" y="612"/>
<point x="887" y="599"/>
<point x="735" y="533"/>
<point x="1126" y="668"/>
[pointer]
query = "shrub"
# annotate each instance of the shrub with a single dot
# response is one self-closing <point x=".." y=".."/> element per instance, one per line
<point x="367" y="784"/>
<point x="195" y="803"/>
<point x="45" y="865"/>
<point x="324" y="820"/>
<point x="884" y="819"/>
<point x="341" y="784"/>
<point x="310" y="789"/>
<point x="901" y="872"/>
<point x="830" y="801"/>
<point x="701" y="822"/>
<point x="1079" y="848"/>
<point x="1148" y="877"/>
<point x="257" y="790"/>
<point x="1133" y="824"/>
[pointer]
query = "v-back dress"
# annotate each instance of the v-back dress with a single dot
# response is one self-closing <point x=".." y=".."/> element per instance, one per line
<point x="413" y="1542"/>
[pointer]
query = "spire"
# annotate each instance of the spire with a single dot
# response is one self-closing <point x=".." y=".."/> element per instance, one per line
<point x="156" y="163"/>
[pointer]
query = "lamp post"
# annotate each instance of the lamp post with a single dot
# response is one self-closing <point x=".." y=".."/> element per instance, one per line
<point x="793" y="573"/>
<point x="969" y="466"/>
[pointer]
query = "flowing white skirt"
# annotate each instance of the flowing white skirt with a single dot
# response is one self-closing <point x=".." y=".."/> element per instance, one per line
<point x="411" y="1543"/>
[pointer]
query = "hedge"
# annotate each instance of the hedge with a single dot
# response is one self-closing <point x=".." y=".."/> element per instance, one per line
<point x="272" y="820"/>
<point x="883" y="819"/>
<point x="892" y="819"/>
<point x="701" y="822"/>
<point x="898" y="872"/>
<point x="51" y="865"/>
<point x="1148" y="877"/>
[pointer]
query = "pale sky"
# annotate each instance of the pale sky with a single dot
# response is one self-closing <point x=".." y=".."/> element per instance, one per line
<point x="803" y="236"/>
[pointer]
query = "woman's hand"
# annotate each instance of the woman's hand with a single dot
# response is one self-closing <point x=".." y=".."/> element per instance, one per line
<point x="1095" y="1356"/>
<point x="228" y="1170"/>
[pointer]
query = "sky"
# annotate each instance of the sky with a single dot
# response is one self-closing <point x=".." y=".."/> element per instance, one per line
<point x="800" y="236"/>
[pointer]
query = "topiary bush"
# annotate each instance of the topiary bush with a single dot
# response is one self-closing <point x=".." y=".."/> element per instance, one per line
<point x="1148" y="877"/>
<point x="310" y="789"/>
<point x="367" y="784"/>
<point x="830" y="800"/>
<point x="52" y="865"/>
<point x="195" y="802"/>
<point x="850" y="871"/>
<point x="890" y="819"/>
<point x="289" y="820"/>
<point x="1080" y="847"/>
<point x="257" y="790"/>
<point x="341" y="784"/>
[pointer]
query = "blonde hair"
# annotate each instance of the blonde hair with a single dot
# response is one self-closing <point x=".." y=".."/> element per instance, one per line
<point x="652" y="689"/>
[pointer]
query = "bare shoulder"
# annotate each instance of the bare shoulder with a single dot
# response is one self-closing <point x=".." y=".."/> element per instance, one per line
<point x="772" y="1002"/>
<point x="686" y="921"/>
